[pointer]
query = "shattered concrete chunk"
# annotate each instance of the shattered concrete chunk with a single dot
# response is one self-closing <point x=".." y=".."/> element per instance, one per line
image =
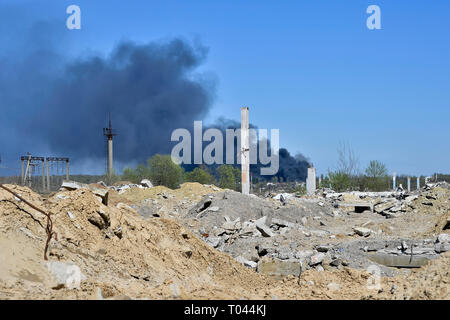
<point x="247" y="263"/>
<point x="147" y="183"/>
<point x="66" y="274"/>
<point x="384" y="206"/>
<point x="443" y="238"/>
<point x="316" y="259"/>
<point x="213" y="241"/>
<point x="98" y="190"/>
<point x="279" y="268"/>
<point x="263" y="228"/>
<point x="363" y="232"/>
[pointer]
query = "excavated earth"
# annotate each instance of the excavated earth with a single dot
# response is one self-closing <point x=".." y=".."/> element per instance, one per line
<point x="195" y="243"/>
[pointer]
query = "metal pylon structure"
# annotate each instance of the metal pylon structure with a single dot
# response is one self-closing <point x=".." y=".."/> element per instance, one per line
<point x="109" y="133"/>
<point x="29" y="164"/>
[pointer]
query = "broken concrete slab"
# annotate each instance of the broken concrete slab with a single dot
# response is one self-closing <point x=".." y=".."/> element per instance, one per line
<point x="66" y="274"/>
<point x="363" y="232"/>
<point x="443" y="238"/>
<point x="384" y="206"/>
<point x="401" y="261"/>
<point x="213" y="241"/>
<point x="304" y="254"/>
<point x="263" y="228"/>
<point x="147" y="183"/>
<point x="247" y="263"/>
<point x="279" y="268"/>
<point x="442" y="247"/>
<point x="98" y="190"/>
<point x="316" y="259"/>
<point x="249" y="230"/>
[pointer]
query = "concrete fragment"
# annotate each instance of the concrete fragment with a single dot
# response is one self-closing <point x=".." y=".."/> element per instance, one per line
<point x="316" y="259"/>
<point x="213" y="241"/>
<point x="264" y="250"/>
<point x="147" y="183"/>
<point x="263" y="228"/>
<point x="279" y="268"/>
<point x="332" y="286"/>
<point x="249" y="230"/>
<point x="336" y="262"/>
<point x="232" y="226"/>
<point x="70" y="214"/>
<point x="319" y="233"/>
<point x="283" y="223"/>
<point x="98" y="190"/>
<point x="247" y="263"/>
<point x="285" y="196"/>
<point x="363" y="232"/>
<point x="65" y="274"/>
<point x="442" y="247"/>
<point x="401" y="261"/>
<point x="443" y="238"/>
<point x="285" y="253"/>
<point x="304" y="254"/>
<point x="384" y="206"/>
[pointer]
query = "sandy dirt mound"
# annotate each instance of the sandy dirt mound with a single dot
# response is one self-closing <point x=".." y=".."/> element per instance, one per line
<point x="122" y="255"/>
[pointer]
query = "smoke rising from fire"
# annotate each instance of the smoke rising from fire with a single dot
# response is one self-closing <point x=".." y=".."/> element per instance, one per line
<point x="57" y="104"/>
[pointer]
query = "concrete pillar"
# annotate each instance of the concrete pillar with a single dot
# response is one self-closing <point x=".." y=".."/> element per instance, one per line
<point x="43" y="175"/>
<point x="394" y="181"/>
<point x="48" y="176"/>
<point x="418" y="183"/>
<point x="245" y="151"/>
<point x="67" y="170"/>
<point x="23" y="172"/>
<point x="29" y="176"/>
<point x="110" y="157"/>
<point x="311" y="181"/>
<point x="409" y="184"/>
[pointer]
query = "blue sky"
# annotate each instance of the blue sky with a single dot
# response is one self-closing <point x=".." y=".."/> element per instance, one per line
<point x="309" y="68"/>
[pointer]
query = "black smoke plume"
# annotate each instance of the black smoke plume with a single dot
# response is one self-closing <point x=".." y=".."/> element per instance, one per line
<point x="55" y="103"/>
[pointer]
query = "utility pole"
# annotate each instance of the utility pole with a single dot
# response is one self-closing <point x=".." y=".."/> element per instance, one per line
<point x="110" y="133"/>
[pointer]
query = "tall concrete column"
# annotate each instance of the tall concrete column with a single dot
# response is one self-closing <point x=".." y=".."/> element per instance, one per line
<point x="67" y="170"/>
<point x="48" y="176"/>
<point x="43" y="174"/>
<point x="409" y="184"/>
<point x="418" y="183"/>
<point x="245" y="152"/>
<point x="394" y="181"/>
<point x="311" y="181"/>
<point x="110" y="157"/>
<point x="23" y="172"/>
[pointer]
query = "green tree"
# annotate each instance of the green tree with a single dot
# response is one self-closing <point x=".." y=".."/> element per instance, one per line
<point x="130" y="174"/>
<point x="229" y="177"/>
<point x="142" y="172"/>
<point x="198" y="175"/>
<point x="376" y="169"/>
<point x="377" y="176"/>
<point x="163" y="171"/>
<point x="339" y="180"/>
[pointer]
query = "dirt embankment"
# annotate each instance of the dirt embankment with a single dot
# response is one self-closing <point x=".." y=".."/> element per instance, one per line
<point x="122" y="255"/>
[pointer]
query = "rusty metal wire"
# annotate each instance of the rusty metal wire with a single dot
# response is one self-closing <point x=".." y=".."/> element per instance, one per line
<point x="49" y="226"/>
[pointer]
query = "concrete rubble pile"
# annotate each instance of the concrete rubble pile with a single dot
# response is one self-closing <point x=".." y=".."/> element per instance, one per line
<point x="145" y="184"/>
<point x="266" y="234"/>
<point x="159" y="240"/>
